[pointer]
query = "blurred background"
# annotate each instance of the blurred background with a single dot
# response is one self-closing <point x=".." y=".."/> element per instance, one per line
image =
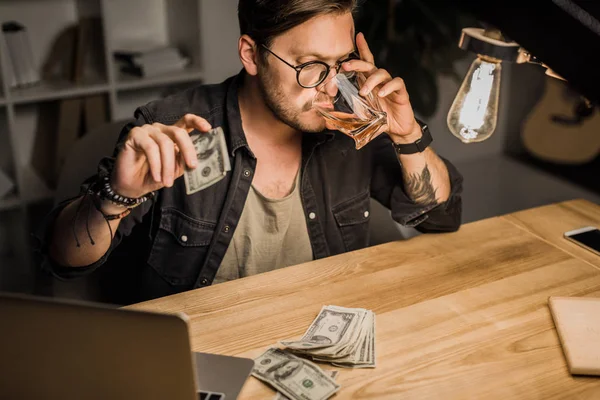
<point x="73" y="72"/>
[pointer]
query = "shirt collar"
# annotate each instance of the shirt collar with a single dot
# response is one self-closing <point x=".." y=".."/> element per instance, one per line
<point x="234" y="116"/>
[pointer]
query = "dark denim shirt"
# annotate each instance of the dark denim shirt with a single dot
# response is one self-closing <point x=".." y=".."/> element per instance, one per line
<point x="177" y="242"/>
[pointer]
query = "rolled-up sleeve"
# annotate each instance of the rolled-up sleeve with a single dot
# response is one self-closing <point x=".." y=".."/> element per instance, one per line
<point x="43" y="235"/>
<point x="387" y="187"/>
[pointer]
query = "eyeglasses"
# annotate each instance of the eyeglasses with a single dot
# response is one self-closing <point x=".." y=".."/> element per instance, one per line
<point x="311" y="74"/>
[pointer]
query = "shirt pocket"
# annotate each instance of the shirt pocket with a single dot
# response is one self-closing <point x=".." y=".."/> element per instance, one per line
<point x="352" y="217"/>
<point x="180" y="247"/>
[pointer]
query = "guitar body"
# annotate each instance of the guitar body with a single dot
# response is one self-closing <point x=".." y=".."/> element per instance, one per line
<point x="554" y="131"/>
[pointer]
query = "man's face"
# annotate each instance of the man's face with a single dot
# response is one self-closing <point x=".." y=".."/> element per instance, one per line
<point x="327" y="38"/>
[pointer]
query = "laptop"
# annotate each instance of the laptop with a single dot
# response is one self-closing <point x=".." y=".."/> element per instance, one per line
<point x="67" y="350"/>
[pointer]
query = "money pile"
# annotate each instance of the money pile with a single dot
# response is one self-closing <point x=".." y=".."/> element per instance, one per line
<point x="332" y="374"/>
<point x="294" y="377"/>
<point x="344" y="337"/>
<point x="213" y="161"/>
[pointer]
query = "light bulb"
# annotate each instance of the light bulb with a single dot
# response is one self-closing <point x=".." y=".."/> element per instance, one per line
<point x="474" y="112"/>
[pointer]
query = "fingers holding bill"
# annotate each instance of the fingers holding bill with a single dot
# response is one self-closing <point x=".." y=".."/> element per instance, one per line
<point x="184" y="142"/>
<point x="189" y="122"/>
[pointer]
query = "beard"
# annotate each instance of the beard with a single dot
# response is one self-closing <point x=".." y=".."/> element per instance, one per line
<point x="276" y="100"/>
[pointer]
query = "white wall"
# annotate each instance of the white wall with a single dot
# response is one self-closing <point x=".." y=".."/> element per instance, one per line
<point x="218" y="22"/>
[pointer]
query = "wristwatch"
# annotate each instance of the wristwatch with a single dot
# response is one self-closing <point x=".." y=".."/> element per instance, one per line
<point x="419" y="145"/>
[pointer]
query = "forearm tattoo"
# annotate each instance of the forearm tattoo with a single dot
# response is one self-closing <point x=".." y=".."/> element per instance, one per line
<point x="419" y="187"/>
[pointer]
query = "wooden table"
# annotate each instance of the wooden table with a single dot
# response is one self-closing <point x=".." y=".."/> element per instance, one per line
<point x="550" y="222"/>
<point x="460" y="315"/>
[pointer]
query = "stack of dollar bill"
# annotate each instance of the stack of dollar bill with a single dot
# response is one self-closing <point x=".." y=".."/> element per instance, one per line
<point x="344" y="337"/>
<point x="213" y="161"/>
<point x="293" y="377"/>
<point x="331" y="373"/>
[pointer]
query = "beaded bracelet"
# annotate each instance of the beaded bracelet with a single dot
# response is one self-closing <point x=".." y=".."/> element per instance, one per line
<point x="108" y="217"/>
<point x="102" y="190"/>
<point x="106" y="192"/>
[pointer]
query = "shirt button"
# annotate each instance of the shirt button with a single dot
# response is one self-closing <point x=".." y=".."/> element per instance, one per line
<point x="246" y="173"/>
<point x="226" y="228"/>
<point x="312" y="215"/>
<point x="366" y="214"/>
<point x="204" y="281"/>
<point x="184" y="238"/>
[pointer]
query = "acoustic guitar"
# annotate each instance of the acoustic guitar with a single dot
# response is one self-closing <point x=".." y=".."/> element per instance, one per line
<point x="562" y="127"/>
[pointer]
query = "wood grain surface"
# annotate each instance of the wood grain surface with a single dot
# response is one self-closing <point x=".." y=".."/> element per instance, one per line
<point x="459" y="316"/>
<point x="552" y="221"/>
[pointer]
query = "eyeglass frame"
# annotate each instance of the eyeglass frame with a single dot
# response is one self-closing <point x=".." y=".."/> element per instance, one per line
<point x="298" y="68"/>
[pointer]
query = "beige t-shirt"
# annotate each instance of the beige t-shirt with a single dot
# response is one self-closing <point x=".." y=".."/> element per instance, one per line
<point x="271" y="234"/>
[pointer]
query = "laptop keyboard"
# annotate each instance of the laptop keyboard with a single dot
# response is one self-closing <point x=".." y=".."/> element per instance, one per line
<point x="202" y="395"/>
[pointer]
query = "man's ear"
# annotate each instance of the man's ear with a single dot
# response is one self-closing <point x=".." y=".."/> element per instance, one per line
<point x="248" y="52"/>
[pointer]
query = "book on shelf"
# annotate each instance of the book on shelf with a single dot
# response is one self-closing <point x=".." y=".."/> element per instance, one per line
<point x="22" y="68"/>
<point x="76" y="54"/>
<point x="11" y="78"/>
<point x="6" y="185"/>
<point x="147" y="61"/>
<point x="89" y="62"/>
<point x="62" y="123"/>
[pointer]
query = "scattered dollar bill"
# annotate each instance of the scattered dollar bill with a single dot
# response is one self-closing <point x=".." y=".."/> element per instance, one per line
<point x="294" y="377"/>
<point x="331" y="326"/>
<point x="332" y="374"/>
<point x="213" y="161"/>
<point x="344" y="337"/>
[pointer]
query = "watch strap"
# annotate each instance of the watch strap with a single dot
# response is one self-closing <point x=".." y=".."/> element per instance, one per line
<point x="419" y="145"/>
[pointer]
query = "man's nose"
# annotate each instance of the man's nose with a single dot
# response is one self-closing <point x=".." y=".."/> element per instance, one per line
<point x="331" y="85"/>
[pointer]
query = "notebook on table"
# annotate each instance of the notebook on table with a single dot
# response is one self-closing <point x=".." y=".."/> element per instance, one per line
<point x="577" y="320"/>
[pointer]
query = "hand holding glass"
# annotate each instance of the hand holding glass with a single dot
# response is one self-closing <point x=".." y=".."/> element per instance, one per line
<point x="339" y="102"/>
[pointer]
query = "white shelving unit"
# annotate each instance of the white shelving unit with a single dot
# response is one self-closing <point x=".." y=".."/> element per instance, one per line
<point x="45" y="91"/>
<point x="204" y="30"/>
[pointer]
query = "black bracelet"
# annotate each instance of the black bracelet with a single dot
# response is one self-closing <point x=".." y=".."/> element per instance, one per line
<point x="109" y="217"/>
<point x="106" y="192"/>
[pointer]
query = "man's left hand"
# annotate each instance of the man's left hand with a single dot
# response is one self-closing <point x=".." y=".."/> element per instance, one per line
<point x="393" y="97"/>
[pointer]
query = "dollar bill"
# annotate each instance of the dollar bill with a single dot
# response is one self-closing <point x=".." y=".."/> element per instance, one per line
<point x="332" y="374"/>
<point x="294" y="377"/>
<point x="314" y="343"/>
<point x="327" y="330"/>
<point x="213" y="161"/>
<point x="344" y="337"/>
<point x="365" y="358"/>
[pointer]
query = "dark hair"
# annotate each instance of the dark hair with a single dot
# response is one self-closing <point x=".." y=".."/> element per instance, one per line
<point x="263" y="20"/>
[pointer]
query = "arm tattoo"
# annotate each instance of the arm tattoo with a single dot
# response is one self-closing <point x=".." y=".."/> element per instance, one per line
<point x="419" y="187"/>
